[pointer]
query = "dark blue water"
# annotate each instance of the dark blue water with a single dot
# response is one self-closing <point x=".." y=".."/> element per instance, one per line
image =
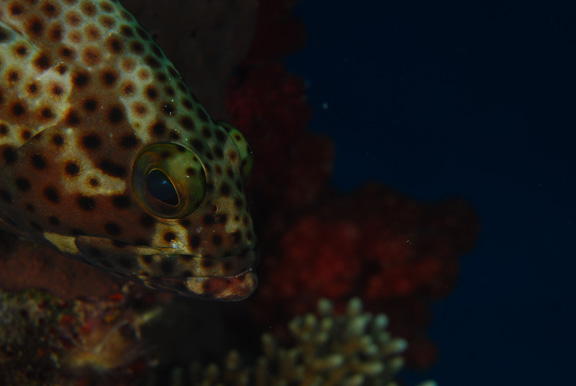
<point x="475" y="101"/>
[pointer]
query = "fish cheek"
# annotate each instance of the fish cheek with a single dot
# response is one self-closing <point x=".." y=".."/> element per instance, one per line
<point x="129" y="260"/>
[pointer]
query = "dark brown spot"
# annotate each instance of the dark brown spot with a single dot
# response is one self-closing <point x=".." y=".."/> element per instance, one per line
<point x="116" y="115"/>
<point x="55" y="33"/>
<point x="57" y="90"/>
<point x="90" y="104"/>
<point x="159" y="128"/>
<point x="128" y="88"/>
<point x="151" y="92"/>
<point x="71" y="168"/>
<point x="35" y="26"/>
<point x="86" y="203"/>
<point x="129" y="141"/>
<point x="49" y="9"/>
<point x="114" y="45"/>
<point x="121" y="201"/>
<point x="147" y="221"/>
<point x="218" y="152"/>
<point x="38" y="162"/>
<point x="32" y="88"/>
<point x="198" y="145"/>
<point x="46" y="113"/>
<point x="187" y="123"/>
<point x="137" y="47"/>
<point x="221" y="136"/>
<point x="23" y="184"/>
<point x="169" y="236"/>
<point x="21" y="50"/>
<point x="112" y="229"/>
<point x="53" y="220"/>
<point x="16" y="9"/>
<point x="187" y="103"/>
<point x="146" y="259"/>
<point x="6" y="197"/>
<point x="72" y="118"/>
<point x="58" y="140"/>
<point x="195" y="241"/>
<point x="225" y="189"/>
<point x="206" y="133"/>
<point x="109" y="77"/>
<point x="25" y="134"/>
<point x="66" y="52"/>
<point x="18" y="109"/>
<point x="168" y="109"/>
<point x="152" y="62"/>
<point x="203" y="115"/>
<point x="217" y="240"/>
<point x="51" y="194"/>
<point x="81" y="79"/>
<point x="94" y="182"/>
<point x="3" y="130"/>
<point x="91" y="141"/>
<point x="13" y="76"/>
<point x="112" y="168"/>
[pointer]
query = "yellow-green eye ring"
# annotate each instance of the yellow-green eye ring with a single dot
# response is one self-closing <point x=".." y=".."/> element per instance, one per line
<point x="169" y="180"/>
<point x="244" y="151"/>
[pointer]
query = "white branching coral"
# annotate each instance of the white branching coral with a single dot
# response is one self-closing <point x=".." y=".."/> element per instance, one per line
<point x="345" y="350"/>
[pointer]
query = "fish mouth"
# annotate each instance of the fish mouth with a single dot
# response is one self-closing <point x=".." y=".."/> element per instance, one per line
<point x="228" y="278"/>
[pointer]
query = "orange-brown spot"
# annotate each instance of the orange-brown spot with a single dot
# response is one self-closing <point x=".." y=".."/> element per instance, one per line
<point x="13" y="76"/>
<point x="21" y="50"/>
<point x="128" y="88"/>
<point x="93" y="32"/>
<point x="75" y="36"/>
<point x="114" y="45"/>
<point x="128" y="65"/>
<point x="88" y="8"/>
<point x="42" y="62"/>
<point x="91" y="56"/>
<point x="107" y="21"/>
<point x="16" y="9"/>
<point x="143" y="74"/>
<point x="73" y="18"/>
<point x="50" y="9"/>
<point x="66" y="52"/>
<point x="55" y="32"/>
<point x="139" y="109"/>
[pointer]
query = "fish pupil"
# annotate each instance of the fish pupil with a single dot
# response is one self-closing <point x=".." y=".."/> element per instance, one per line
<point x="161" y="188"/>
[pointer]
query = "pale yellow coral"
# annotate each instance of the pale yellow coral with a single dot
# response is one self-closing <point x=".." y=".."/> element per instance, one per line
<point x="345" y="350"/>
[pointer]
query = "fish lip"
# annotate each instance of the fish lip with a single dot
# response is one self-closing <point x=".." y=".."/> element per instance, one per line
<point x="248" y="264"/>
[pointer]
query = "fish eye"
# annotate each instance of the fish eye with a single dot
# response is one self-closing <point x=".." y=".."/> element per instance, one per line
<point x="169" y="180"/>
<point x="244" y="151"/>
<point x="161" y="187"/>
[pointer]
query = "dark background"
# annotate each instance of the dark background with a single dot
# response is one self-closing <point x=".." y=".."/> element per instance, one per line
<point x="477" y="101"/>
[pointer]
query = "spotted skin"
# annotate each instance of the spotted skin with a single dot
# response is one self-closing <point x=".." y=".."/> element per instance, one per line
<point x="89" y="107"/>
